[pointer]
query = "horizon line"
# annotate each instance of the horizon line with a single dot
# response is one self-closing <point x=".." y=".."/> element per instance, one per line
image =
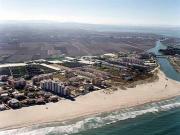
<point x="86" y="23"/>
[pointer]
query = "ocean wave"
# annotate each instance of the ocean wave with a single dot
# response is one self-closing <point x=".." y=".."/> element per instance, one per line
<point x="170" y="106"/>
<point x="97" y="121"/>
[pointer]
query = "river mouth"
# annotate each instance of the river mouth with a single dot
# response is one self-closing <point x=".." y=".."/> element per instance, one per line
<point x="164" y="63"/>
<point x="86" y="124"/>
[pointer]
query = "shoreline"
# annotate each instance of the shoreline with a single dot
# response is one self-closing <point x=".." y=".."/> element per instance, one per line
<point x="86" y="105"/>
<point x="44" y="124"/>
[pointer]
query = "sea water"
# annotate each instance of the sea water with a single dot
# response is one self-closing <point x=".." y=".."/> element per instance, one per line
<point x="154" y="123"/>
<point x="164" y="63"/>
<point x="157" y="118"/>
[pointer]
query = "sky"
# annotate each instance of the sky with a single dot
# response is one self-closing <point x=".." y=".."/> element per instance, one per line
<point x="118" y="12"/>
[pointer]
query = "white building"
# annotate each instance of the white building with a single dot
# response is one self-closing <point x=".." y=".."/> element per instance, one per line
<point x="55" y="87"/>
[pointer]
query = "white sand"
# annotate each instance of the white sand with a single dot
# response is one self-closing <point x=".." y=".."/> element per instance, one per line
<point x="91" y="103"/>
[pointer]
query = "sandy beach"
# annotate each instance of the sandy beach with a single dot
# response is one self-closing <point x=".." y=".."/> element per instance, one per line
<point x="92" y="103"/>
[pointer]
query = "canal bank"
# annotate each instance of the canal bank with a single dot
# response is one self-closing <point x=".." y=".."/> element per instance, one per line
<point x="164" y="63"/>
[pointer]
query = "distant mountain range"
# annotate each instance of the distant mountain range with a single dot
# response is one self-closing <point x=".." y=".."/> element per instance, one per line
<point x="164" y="30"/>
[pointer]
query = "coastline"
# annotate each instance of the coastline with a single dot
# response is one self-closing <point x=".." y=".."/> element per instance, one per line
<point x="91" y="104"/>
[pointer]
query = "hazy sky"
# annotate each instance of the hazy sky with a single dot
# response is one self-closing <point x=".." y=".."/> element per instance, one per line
<point x="127" y="12"/>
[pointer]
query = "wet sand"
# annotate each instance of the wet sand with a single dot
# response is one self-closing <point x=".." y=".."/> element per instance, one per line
<point x="90" y="104"/>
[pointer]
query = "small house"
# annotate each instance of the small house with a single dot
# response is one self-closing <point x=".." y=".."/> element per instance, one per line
<point x="14" y="103"/>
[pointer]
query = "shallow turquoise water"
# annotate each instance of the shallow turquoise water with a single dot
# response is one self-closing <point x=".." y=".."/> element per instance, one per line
<point x="158" y="118"/>
<point x="161" y="122"/>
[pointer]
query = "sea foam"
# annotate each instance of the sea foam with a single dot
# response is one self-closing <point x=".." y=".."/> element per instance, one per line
<point x="98" y="120"/>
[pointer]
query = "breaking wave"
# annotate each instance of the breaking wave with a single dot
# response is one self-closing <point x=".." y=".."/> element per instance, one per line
<point x="100" y="120"/>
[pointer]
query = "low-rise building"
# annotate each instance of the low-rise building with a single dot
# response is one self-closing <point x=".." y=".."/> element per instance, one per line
<point x="53" y="98"/>
<point x="88" y="87"/>
<point x="2" y="107"/>
<point x="14" y="103"/>
<point x="17" y="83"/>
<point x="3" y="78"/>
<point x="133" y="60"/>
<point x="86" y="74"/>
<point x="109" y="55"/>
<point x="39" y="78"/>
